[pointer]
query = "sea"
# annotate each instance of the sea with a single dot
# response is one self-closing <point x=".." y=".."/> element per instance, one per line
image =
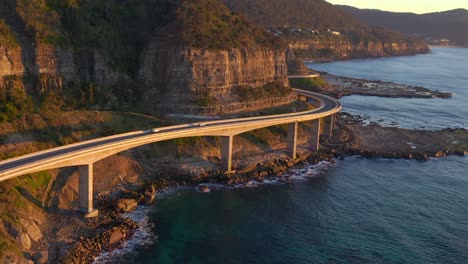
<point x="355" y="210"/>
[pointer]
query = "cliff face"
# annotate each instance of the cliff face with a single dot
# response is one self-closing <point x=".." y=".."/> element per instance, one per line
<point x="56" y="61"/>
<point x="341" y="48"/>
<point x="10" y="61"/>
<point x="55" y="68"/>
<point x="181" y="75"/>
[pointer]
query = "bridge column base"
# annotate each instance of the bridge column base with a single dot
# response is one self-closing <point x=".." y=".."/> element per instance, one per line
<point x="292" y="139"/>
<point x="315" y="137"/>
<point x="92" y="214"/>
<point x="226" y="152"/>
<point x="85" y="186"/>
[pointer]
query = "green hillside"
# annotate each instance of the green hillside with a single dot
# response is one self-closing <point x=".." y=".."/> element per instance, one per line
<point x="295" y="13"/>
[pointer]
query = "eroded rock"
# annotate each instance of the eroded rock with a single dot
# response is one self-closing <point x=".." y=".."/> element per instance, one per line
<point x="24" y="240"/>
<point x="31" y="229"/>
<point x="126" y="205"/>
<point x="149" y="192"/>
<point x="116" y="236"/>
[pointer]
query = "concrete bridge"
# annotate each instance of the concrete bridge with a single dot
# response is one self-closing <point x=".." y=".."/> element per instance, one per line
<point x="85" y="154"/>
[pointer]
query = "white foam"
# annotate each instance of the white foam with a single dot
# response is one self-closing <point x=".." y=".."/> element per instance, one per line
<point x="309" y="171"/>
<point x="142" y="237"/>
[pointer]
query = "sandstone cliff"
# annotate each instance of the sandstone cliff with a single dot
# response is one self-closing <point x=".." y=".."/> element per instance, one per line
<point x="181" y="76"/>
<point x="339" y="48"/>
<point x="10" y="61"/>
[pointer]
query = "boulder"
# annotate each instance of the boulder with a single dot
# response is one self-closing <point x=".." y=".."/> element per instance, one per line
<point x="41" y="257"/>
<point x="440" y="154"/>
<point x="149" y="192"/>
<point x="277" y="169"/>
<point x="116" y="236"/>
<point x="24" y="240"/>
<point x="126" y="205"/>
<point x="204" y="188"/>
<point x="31" y="229"/>
<point x="149" y="198"/>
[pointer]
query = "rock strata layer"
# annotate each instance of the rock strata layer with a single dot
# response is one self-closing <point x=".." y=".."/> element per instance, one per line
<point x="338" y="48"/>
<point x="178" y="79"/>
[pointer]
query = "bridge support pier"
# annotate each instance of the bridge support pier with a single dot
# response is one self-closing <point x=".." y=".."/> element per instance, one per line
<point x="85" y="186"/>
<point x="226" y="152"/>
<point x="315" y="138"/>
<point x="292" y="139"/>
<point x="328" y="123"/>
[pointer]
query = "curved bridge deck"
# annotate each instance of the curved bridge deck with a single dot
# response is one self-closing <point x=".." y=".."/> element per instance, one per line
<point x="84" y="154"/>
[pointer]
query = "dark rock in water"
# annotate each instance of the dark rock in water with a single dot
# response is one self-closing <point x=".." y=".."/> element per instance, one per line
<point x="257" y="179"/>
<point x="204" y="188"/>
<point x="149" y="198"/>
<point x="126" y="205"/>
<point x="149" y="192"/>
<point x="421" y="156"/>
<point x="135" y="195"/>
<point x="279" y="169"/>
<point x="41" y="257"/>
<point x="461" y="152"/>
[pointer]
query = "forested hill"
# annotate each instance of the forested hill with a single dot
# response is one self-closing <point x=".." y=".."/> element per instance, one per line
<point x="316" y="14"/>
<point x="316" y="29"/>
<point x="121" y="28"/>
<point x="451" y="25"/>
<point x="90" y="53"/>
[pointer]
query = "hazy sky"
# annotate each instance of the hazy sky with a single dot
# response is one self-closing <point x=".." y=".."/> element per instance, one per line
<point x="415" y="6"/>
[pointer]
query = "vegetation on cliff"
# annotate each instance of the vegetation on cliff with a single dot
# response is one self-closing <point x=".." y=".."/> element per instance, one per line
<point x="316" y="84"/>
<point x="6" y="35"/>
<point x="106" y="39"/>
<point x="314" y="14"/>
<point x="208" y="24"/>
<point x="246" y="94"/>
<point x="320" y="23"/>
<point x="121" y="29"/>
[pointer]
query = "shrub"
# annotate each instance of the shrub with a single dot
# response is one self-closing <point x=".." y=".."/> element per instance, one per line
<point x="315" y="84"/>
<point x="6" y="36"/>
<point x="247" y="93"/>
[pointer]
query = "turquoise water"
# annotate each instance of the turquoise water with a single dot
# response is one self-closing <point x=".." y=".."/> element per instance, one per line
<point x="357" y="211"/>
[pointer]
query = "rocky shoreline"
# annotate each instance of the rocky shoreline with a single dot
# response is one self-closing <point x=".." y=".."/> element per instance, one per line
<point x="375" y="141"/>
<point x="343" y="86"/>
<point x="71" y="238"/>
<point x="111" y="229"/>
<point x="351" y="137"/>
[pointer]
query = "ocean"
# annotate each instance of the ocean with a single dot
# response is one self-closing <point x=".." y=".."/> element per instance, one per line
<point x="355" y="211"/>
<point x="444" y="69"/>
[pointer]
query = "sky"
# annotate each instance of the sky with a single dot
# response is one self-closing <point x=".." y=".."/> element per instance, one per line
<point x="414" y="6"/>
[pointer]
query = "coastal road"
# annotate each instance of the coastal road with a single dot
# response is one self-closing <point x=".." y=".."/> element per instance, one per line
<point x="88" y="152"/>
